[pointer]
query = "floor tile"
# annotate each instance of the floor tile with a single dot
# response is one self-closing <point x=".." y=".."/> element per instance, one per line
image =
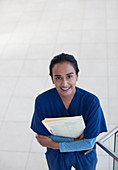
<point x="21" y="37"/>
<point x="10" y="68"/>
<point x="13" y="160"/>
<point x="94" y="36"/>
<point x="78" y="14"/>
<point x="71" y="24"/>
<point x="34" y="163"/>
<point x="96" y="4"/>
<point x="29" y="86"/>
<point x="26" y="26"/>
<point x="113" y="50"/>
<point x="113" y="67"/>
<point x="46" y="37"/>
<point x="40" y="51"/>
<point x="4" y="38"/>
<point x="113" y="86"/>
<point x="112" y="36"/>
<point x="113" y="107"/>
<point x="20" y="109"/>
<point x="1" y="48"/>
<point x="14" y="51"/>
<point x="35" y="68"/>
<point x="7" y="27"/>
<point x="111" y="12"/>
<point x="74" y="5"/>
<point x="98" y="69"/>
<point x="15" y="137"/>
<point x="54" y="5"/>
<point x="34" y="6"/>
<point x="104" y="105"/>
<point x="85" y="83"/>
<point x="104" y="163"/>
<point x="36" y="147"/>
<point x="94" y="24"/>
<point x="112" y="4"/>
<point x="13" y="7"/>
<point x="47" y="25"/>
<point x="30" y="16"/>
<point x="9" y="16"/>
<point x="112" y="24"/>
<point x="93" y="51"/>
<point x="73" y="49"/>
<point x="49" y="84"/>
<point x="51" y="15"/>
<point x="7" y="85"/>
<point x="94" y="13"/>
<point x="69" y="37"/>
<point x="4" y="103"/>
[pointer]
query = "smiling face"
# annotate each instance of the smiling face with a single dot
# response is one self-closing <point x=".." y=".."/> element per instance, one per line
<point x="64" y="77"/>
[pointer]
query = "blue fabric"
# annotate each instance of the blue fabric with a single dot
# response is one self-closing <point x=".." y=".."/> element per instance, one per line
<point x="81" y="145"/>
<point x="59" y="139"/>
<point x="69" y="145"/>
<point x="50" y="105"/>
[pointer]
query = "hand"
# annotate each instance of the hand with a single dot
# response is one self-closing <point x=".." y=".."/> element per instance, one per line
<point x="47" y="142"/>
<point x="80" y="137"/>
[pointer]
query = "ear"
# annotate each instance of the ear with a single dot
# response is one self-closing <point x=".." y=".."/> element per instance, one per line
<point x="52" y="80"/>
<point x="77" y="76"/>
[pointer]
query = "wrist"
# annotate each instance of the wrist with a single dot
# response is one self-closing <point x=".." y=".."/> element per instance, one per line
<point x="56" y="145"/>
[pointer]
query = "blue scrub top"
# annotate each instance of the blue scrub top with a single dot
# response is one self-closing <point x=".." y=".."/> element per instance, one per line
<point x="50" y="105"/>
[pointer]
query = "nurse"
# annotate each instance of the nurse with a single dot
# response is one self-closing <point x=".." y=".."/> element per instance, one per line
<point x="65" y="100"/>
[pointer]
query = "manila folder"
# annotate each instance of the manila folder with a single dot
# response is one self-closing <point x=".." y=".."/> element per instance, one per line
<point x="66" y="126"/>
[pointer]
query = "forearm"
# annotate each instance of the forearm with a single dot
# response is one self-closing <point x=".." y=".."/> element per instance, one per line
<point x="65" y="144"/>
<point x="60" y="139"/>
<point x="84" y="144"/>
<point x="65" y="139"/>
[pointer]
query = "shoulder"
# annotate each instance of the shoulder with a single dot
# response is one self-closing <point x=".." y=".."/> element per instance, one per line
<point x="46" y="95"/>
<point x="87" y="96"/>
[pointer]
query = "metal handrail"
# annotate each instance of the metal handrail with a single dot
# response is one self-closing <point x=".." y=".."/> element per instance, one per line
<point x="105" y="148"/>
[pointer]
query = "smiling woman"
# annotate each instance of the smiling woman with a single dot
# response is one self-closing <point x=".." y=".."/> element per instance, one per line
<point x="64" y="78"/>
<point x="67" y="100"/>
<point x="64" y="73"/>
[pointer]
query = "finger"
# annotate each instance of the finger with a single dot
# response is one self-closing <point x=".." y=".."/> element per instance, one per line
<point x="41" y="136"/>
<point x="38" y="136"/>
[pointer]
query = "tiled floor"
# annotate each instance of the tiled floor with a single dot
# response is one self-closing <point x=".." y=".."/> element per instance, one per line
<point x="31" y="33"/>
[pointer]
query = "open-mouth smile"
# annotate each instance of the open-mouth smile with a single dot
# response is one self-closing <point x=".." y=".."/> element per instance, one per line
<point x="65" y="88"/>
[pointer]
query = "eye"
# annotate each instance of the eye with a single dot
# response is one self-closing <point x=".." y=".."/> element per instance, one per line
<point x="58" y="78"/>
<point x="69" y="76"/>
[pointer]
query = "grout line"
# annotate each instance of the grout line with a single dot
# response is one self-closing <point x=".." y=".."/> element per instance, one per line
<point x="26" y="164"/>
<point x="108" y="102"/>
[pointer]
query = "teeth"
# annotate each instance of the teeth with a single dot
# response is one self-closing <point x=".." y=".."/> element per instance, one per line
<point x="65" y="88"/>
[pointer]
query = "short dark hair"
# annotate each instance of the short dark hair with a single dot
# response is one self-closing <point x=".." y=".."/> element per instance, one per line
<point x="63" y="58"/>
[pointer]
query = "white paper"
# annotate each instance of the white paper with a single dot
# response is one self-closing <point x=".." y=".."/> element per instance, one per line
<point x="67" y="128"/>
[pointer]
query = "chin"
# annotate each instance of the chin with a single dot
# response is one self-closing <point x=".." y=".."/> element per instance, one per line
<point x="67" y="93"/>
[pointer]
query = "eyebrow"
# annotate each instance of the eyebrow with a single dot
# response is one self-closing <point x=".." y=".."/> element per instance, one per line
<point x="66" y="74"/>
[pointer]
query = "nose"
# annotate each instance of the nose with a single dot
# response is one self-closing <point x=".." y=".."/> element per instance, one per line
<point x="64" y="83"/>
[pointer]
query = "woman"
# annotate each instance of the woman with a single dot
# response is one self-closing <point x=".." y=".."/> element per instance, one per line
<point x="63" y="101"/>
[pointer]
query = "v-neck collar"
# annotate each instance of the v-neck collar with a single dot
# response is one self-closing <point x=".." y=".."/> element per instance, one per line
<point x="60" y="102"/>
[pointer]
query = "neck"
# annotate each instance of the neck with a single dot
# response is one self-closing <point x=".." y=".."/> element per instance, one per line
<point x="68" y="98"/>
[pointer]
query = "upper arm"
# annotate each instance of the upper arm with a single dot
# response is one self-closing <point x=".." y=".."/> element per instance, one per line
<point x="36" y="123"/>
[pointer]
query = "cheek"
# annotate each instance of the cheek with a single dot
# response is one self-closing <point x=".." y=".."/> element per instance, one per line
<point x="73" y="81"/>
<point x="56" y="83"/>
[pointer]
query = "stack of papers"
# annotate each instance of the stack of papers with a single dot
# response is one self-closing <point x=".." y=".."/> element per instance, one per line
<point x="65" y="126"/>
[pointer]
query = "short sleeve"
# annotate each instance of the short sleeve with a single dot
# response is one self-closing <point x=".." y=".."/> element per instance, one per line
<point x="95" y="123"/>
<point x="36" y="123"/>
